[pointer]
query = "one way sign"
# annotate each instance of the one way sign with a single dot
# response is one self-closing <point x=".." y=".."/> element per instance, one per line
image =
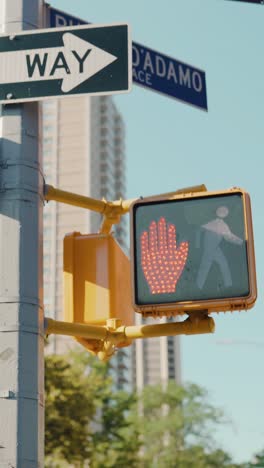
<point x="79" y="60"/>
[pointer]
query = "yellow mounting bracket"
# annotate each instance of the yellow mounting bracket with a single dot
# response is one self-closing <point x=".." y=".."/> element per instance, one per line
<point x="111" y="210"/>
<point x="105" y="340"/>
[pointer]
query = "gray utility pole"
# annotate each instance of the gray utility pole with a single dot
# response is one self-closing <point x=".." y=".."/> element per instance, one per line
<point x="21" y="303"/>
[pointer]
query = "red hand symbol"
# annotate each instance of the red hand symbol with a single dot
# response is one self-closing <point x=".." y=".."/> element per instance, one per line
<point x="162" y="262"/>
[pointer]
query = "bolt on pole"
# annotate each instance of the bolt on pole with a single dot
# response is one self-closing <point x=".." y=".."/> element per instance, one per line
<point x="21" y="302"/>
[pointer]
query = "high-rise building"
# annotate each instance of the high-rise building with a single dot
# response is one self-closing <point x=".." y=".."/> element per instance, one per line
<point x="83" y="152"/>
<point x="156" y="360"/>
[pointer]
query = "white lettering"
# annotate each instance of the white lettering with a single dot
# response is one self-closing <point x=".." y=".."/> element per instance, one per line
<point x="172" y="73"/>
<point x="197" y="81"/>
<point x="142" y="77"/>
<point x="60" y="21"/>
<point x="135" y="56"/>
<point x="148" y="79"/>
<point x="148" y="63"/>
<point x="160" y="66"/>
<point x="185" y="77"/>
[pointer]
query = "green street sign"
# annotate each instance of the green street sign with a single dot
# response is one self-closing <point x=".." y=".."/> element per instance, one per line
<point x="79" y="60"/>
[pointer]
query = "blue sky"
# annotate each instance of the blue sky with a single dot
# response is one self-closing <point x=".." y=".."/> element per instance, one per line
<point x="172" y="145"/>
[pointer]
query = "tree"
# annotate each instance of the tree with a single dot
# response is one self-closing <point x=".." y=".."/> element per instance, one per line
<point x="258" y="461"/>
<point x="71" y="404"/>
<point x="176" y="426"/>
<point x="87" y="421"/>
<point x="116" y="441"/>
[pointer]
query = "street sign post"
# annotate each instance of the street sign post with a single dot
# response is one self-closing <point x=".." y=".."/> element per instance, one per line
<point x="153" y="70"/>
<point x="21" y="267"/>
<point x="78" y="60"/>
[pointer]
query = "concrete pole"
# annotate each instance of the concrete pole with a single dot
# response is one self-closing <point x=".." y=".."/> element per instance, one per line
<point x="21" y="303"/>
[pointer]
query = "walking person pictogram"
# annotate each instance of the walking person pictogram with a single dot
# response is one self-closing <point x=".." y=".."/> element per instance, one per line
<point x="213" y="234"/>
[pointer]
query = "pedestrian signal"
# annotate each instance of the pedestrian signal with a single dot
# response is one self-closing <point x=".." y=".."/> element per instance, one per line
<point x="96" y="280"/>
<point x="193" y="252"/>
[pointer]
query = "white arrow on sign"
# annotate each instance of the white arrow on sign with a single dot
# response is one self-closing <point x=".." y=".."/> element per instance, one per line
<point x="74" y="63"/>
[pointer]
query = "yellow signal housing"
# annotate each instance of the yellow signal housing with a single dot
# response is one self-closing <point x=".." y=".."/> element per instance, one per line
<point x="97" y="284"/>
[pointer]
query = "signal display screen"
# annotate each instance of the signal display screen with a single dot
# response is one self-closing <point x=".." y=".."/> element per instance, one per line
<point x="190" y="249"/>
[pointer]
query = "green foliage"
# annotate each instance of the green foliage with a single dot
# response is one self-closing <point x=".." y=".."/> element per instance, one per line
<point x="71" y="404"/>
<point x="258" y="461"/>
<point x="116" y="441"/>
<point x="198" y="457"/>
<point x="176" y="427"/>
<point x="85" y="418"/>
<point x="87" y="421"/>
